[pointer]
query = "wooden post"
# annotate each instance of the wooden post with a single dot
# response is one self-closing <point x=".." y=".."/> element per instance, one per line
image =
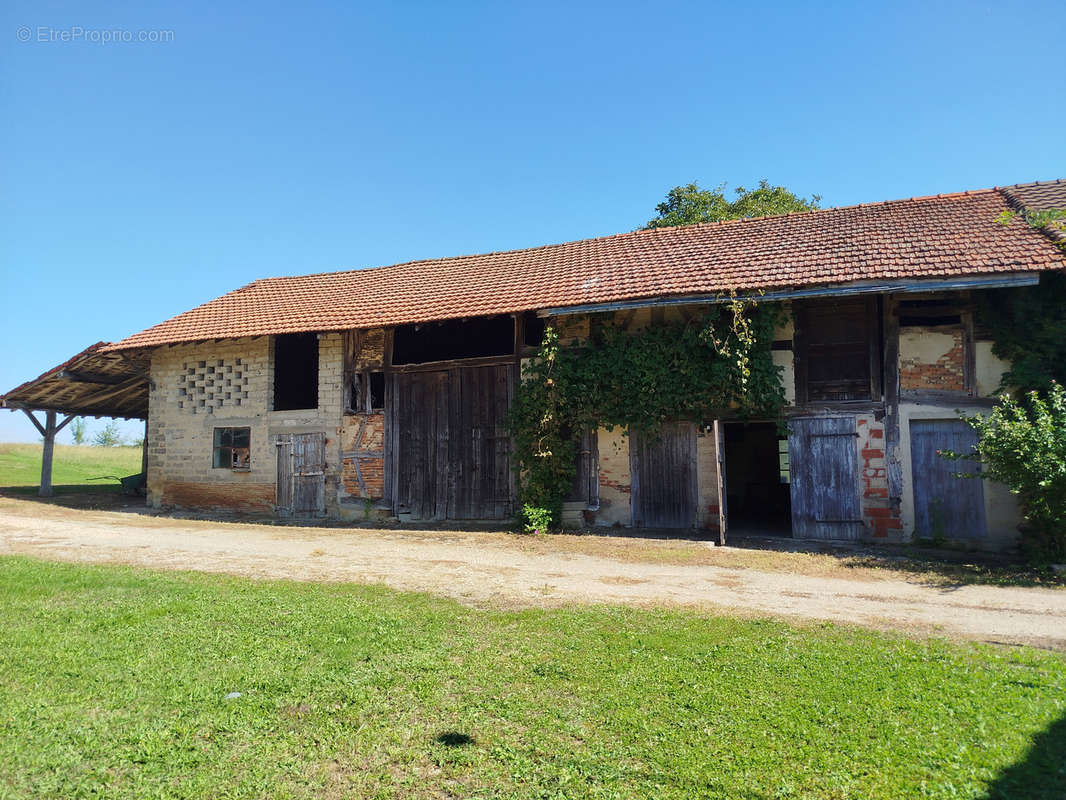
<point x="144" y="454"/>
<point x="46" y="455"/>
<point x="48" y="431"/>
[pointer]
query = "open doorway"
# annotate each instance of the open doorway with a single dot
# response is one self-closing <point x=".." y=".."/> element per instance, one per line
<point x="757" y="479"/>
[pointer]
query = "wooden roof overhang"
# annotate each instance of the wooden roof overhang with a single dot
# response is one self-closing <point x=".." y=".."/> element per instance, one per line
<point x="92" y="384"/>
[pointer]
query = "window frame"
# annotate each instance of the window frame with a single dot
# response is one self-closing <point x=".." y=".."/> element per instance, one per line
<point x="230" y="455"/>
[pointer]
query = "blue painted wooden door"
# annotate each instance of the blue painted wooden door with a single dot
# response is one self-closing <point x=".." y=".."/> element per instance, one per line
<point x="824" y="458"/>
<point x="945" y="506"/>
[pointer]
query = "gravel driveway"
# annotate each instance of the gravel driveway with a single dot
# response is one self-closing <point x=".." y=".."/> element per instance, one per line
<point x="492" y="569"/>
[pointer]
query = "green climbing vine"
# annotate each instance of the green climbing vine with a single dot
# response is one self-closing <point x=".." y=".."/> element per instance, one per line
<point x="692" y="369"/>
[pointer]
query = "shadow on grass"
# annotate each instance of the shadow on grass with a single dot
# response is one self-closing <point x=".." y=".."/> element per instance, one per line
<point x="455" y="739"/>
<point x="1041" y="773"/>
<point x="945" y="568"/>
<point x="88" y="496"/>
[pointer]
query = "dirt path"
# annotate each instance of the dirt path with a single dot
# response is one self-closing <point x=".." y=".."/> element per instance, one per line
<point x="490" y="570"/>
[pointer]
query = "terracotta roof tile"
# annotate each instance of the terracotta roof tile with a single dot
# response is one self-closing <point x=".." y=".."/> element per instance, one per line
<point x="946" y="235"/>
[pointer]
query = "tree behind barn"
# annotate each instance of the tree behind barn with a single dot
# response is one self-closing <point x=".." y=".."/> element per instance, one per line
<point x="688" y="205"/>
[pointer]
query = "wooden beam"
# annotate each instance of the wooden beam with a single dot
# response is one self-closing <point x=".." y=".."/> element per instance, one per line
<point x="106" y="394"/>
<point x="65" y="422"/>
<point x="90" y="377"/>
<point x="33" y="419"/>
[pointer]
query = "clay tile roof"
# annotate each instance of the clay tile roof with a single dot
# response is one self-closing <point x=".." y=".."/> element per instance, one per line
<point x="1037" y="196"/>
<point x="1040" y="196"/>
<point x="943" y="236"/>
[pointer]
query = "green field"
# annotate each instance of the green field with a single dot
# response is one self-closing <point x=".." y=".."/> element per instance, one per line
<point x="114" y="683"/>
<point x="20" y="464"/>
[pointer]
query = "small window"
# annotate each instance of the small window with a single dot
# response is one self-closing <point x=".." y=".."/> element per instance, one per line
<point x="232" y="448"/>
<point x="368" y="392"/>
<point x="782" y="461"/>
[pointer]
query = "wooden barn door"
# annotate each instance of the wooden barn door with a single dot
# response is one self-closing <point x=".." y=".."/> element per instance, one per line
<point x="825" y="478"/>
<point x="663" y="470"/>
<point x="945" y="506"/>
<point x="421" y="418"/>
<point x="480" y="447"/>
<point x="453" y="452"/>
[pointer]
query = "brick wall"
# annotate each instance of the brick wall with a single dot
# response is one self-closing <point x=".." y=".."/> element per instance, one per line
<point x="881" y="517"/>
<point x="242" y="497"/>
<point x="196" y="388"/>
<point x="363" y="456"/>
<point x="932" y="358"/>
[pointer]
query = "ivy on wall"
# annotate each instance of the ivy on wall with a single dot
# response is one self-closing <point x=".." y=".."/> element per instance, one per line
<point x="1028" y="325"/>
<point x="694" y="369"/>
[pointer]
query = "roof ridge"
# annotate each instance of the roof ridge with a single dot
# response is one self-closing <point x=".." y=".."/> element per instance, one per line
<point x="608" y="237"/>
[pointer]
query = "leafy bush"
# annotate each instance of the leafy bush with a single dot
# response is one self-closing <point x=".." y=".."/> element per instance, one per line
<point x="538" y="519"/>
<point x="1023" y="445"/>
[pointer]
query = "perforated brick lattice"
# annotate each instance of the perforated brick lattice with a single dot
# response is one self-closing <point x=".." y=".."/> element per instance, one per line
<point x="204" y="386"/>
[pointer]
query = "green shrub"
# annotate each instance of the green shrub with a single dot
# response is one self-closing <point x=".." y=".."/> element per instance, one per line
<point x="1023" y="445"/>
<point x="538" y="519"/>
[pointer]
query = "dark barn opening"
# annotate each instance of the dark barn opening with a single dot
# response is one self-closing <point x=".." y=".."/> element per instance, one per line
<point x="295" y="371"/>
<point x="757" y="479"/>
<point x="480" y="337"/>
<point x="533" y="329"/>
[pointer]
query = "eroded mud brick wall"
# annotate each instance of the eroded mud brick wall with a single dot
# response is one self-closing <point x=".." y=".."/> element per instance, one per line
<point x="200" y="387"/>
<point x="932" y="358"/>
<point x="197" y="388"/>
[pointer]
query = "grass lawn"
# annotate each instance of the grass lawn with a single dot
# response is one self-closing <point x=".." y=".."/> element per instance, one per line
<point x="20" y="464"/>
<point x="114" y="683"/>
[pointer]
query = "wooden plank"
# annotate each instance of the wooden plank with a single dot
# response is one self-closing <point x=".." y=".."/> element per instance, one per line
<point x="945" y="506"/>
<point x="894" y="467"/>
<point x="283" y="489"/>
<point x="441" y="480"/>
<point x="719" y="455"/>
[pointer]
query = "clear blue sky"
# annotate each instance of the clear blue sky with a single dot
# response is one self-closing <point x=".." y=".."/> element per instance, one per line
<point x="141" y="179"/>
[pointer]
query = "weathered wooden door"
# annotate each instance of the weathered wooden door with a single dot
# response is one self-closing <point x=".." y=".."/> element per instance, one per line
<point x="825" y="478"/>
<point x="301" y="484"/>
<point x="453" y="452"/>
<point x="663" y="472"/>
<point x="308" y="474"/>
<point x="945" y="506"/>
<point x="421" y="417"/>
